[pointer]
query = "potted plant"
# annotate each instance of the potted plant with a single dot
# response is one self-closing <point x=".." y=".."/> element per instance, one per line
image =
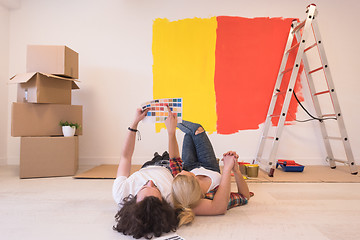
<point x="69" y="129"/>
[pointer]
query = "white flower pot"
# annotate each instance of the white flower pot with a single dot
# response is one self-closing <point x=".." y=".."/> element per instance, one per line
<point x="68" y="131"/>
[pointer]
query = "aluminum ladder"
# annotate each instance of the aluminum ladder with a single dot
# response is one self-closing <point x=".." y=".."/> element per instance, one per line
<point x="301" y="32"/>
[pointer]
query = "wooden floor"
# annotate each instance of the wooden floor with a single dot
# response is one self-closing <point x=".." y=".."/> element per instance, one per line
<point x="67" y="208"/>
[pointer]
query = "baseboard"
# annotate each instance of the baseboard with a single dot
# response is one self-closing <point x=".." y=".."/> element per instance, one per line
<point x="93" y="161"/>
<point x="108" y="160"/>
<point x="141" y="160"/>
<point x="305" y="161"/>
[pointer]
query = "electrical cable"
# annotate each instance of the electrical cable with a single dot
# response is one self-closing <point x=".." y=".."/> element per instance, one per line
<point x="302" y="121"/>
<point x="312" y="117"/>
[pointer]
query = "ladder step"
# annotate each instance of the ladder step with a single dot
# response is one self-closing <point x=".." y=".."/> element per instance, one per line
<point x="319" y="93"/>
<point x="261" y="160"/>
<point x="340" y="161"/>
<point x="287" y="70"/>
<point x="299" y="26"/>
<point x="310" y="47"/>
<point x="315" y="70"/>
<point x="293" y="47"/>
<point x="279" y="93"/>
<point x="329" y="115"/>
<point x="268" y="137"/>
<point x="273" y="115"/>
<point x="334" y="138"/>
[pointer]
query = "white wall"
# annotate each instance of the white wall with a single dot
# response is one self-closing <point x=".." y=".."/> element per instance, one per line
<point x="4" y="72"/>
<point x="114" y="40"/>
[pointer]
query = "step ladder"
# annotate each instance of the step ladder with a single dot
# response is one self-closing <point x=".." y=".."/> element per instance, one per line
<point x="301" y="31"/>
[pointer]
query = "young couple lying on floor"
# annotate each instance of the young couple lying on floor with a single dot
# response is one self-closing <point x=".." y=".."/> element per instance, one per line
<point x="169" y="191"/>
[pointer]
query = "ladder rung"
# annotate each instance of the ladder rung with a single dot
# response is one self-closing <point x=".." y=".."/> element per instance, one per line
<point x="273" y="115"/>
<point x="340" y="161"/>
<point x="287" y="70"/>
<point x="268" y="137"/>
<point x="315" y="70"/>
<point x="299" y="26"/>
<point x="323" y="92"/>
<point x="260" y="160"/>
<point x="310" y="47"/>
<point x="329" y="115"/>
<point x="293" y="47"/>
<point x="334" y="138"/>
<point x="280" y="93"/>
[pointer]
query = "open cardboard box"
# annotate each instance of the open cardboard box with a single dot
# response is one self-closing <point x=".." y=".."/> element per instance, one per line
<point x="54" y="59"/>
<point x="39" y="87"/>
<point x="48" y="156"/>
<point x="42" y="119"/>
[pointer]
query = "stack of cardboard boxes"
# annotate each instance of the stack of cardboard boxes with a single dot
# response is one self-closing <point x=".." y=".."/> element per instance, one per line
<point x="43" y="100"/>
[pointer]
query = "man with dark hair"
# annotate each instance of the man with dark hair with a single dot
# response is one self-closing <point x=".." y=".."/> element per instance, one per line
<point x="144" y="197"/>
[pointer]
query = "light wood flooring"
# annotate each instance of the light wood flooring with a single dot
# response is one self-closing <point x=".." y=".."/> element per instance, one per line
<point x="66" y="208"/>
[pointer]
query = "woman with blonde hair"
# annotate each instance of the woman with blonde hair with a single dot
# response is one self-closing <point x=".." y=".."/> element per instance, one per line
<point x="199" y="188"/>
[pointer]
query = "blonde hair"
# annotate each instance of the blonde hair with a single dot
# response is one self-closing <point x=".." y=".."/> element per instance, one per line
<point x="186" y="193"/>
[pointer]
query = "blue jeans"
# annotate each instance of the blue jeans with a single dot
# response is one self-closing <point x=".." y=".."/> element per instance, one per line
<point x="197" y="150"/>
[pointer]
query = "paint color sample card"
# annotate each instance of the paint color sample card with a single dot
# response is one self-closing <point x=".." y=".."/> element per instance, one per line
<point x="158" y="111"/>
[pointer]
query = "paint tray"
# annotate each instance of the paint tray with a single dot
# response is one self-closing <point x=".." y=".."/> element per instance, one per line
<point x="289" y="166"/>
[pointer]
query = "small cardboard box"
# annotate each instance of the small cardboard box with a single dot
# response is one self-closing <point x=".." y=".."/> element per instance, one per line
<point x="43" y="88"/>
<point x="42" y="119"/>
<point x="53" y="59"/>
<point x="48" y="156"/>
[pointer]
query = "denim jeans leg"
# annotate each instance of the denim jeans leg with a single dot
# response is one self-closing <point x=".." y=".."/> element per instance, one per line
<point x="203" y="148"/>
<point x="189" y="155"/>
<point x="205" y="152"/>
<point x="188" y="127"/>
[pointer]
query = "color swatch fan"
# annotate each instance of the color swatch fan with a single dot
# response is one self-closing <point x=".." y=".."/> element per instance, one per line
<point x="158" y="111"/>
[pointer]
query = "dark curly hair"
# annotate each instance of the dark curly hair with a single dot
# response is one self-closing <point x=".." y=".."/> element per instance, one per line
<point x="148" y="218"/>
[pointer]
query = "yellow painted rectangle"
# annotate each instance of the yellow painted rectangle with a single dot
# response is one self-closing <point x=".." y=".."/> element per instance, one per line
<point x="184" y="67"/>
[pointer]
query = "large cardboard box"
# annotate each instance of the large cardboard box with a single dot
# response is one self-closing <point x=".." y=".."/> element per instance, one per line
<point x="53" y="59"/>
<point x="48" y="156"/>
<point x="43" y="88"/>
<point x="42" y="119"/>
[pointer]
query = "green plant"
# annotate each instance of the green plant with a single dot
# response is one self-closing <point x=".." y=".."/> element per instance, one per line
<point x="66" y="123"/>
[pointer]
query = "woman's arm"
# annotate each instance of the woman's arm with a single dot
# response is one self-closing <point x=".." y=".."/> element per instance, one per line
<point x="174" y="155"/>
<point x="129" y="146"/>
<point x="241" y="184"/>
<point x="220" y="202"/>
<point x="171" y="122"/>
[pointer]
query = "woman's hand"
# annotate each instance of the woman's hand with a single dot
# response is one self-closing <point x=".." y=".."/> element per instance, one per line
<point x="236" y="157"/>
<point x="231" y="153"/>
<point x="171" y="122"/>
<point x="229" y="162"/>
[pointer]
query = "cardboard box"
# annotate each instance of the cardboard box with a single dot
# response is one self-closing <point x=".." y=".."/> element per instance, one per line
<point x="42" y="119"/>
<point x="43" y="88"/>
<point x="53" y="59"/>
<point x="48" y="156"/>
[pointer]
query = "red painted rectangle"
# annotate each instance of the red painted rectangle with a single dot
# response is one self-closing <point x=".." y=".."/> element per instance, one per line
<point x="247" y="60"/>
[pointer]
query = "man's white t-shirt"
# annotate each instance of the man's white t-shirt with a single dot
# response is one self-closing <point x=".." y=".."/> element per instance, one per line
<point x="161" y="176"/>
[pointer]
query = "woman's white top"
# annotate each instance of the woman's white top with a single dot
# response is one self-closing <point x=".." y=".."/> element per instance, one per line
<point x="214" y="176"/>
<point x="124" y="186"/>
